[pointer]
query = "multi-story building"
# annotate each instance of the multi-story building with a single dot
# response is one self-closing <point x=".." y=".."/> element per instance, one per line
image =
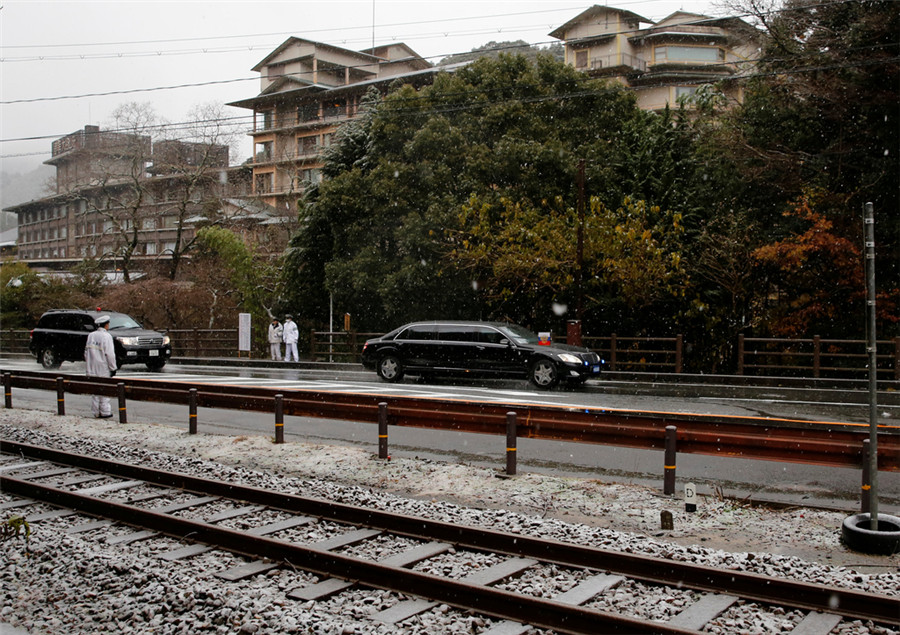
<point x="113" y="189"/>
<point x="307" y="90"/>
<point x="661" y="61"/>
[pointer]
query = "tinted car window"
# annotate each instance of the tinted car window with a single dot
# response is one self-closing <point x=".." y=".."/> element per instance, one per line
<point x="455" y="333"/>
<point x="418" y="332"/>
<point x="489" y="335"/>
<point x="122" y="322"/>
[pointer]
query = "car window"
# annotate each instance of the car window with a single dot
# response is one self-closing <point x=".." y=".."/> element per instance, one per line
<point x="418" y="332"/>
<point x="455" y="333"/>
<point x="490" y="336"/>
<point x="519" y="334"/>
<point x="122" y="322"/>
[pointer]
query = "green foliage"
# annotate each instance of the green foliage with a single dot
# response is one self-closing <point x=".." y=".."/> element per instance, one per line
<point x="25" y="295"/>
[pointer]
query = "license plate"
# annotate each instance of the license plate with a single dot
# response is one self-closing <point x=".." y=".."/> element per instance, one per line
<point x="154" y="353"/>
<point x="596" y="369"/>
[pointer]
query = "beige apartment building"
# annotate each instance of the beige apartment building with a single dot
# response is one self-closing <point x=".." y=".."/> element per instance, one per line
<point x="108" y="184"/>
<point x="664" y="61"/>
<point x="307" y="90"/>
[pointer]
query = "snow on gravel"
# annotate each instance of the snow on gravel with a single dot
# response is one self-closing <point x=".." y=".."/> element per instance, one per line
<point x="75" y="583"/>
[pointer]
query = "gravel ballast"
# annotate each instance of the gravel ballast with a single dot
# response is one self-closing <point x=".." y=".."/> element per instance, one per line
<point x="77" y="583"/>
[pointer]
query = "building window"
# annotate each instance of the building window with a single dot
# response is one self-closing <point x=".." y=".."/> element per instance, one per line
<point x="335" y="108"/>
<point x="581" y="59"/>
<point x="685" y="92"/>
<point x="263" y="183"/>
<point x="307" y="145"/>
<point x="268" y="119"/>
<point x="695" y="54"/>
<point x="307" y="112"/>
<point x="149" y="223"/>
<point x="264" y="151"/>
<point x="150" y="249"/>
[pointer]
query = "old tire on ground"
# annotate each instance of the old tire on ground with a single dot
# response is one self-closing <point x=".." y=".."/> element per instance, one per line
<point x="543" y="374"/>
<point x="390" y="368"/>
<point x="857" y="535"/>
<point x="49" y="359"/>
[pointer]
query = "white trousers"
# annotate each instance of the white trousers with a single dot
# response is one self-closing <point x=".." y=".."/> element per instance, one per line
<point x="290" y="350"/>
<point x="101" y="406"/>
<point x="275" y="350"/>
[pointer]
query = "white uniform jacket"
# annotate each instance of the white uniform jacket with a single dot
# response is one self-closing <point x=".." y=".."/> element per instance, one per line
<point x="291" y="333"/>
<point x="100" y="354"/>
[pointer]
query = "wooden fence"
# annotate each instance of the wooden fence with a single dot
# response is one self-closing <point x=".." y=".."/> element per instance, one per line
<point x="813" y="357"/>
<point x="816" y="357"/>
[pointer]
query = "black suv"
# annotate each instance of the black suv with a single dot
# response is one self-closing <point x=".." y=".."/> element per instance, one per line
<point x="61" y="334"/>
<point x="477" y="348"/>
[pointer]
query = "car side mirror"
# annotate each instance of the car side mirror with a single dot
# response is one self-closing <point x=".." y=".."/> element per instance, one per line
<point x="506" y="342"/>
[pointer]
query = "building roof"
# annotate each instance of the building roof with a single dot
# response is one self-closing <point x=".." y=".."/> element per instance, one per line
<point x="596" y="10"/>
<point x="291" y="41"/>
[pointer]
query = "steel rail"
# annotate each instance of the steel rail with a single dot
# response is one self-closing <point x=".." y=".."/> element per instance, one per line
<point x="754" y="587"/>
<point x="765" y="438"/>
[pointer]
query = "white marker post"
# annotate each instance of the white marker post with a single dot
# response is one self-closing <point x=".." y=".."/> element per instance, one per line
<point x="690" y="497"/>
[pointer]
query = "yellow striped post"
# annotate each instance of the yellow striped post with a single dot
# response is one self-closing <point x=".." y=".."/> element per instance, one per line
<point x="60" y="396"/>
<point x="123" y="415"/>
<point x="279" y="418"/>
<point x="383" y="431"/>
<point x="511" y="443"/>
<point x="7" y="390"/>
<point x="192" y="410"/>
<point x="669" y="461"/>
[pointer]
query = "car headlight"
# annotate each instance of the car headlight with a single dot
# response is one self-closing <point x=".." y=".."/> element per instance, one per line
<point x="569" y="359"/>
<point x="128" y="341"/>
<point x="166" y="340"/>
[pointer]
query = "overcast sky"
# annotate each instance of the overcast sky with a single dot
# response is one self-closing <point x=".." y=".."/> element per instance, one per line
<point x="59" y="58"/>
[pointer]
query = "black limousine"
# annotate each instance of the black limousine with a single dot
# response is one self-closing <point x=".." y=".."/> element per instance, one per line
<point x="487" y="349"/>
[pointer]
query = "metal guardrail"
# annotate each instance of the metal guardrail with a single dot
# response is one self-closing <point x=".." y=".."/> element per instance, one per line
<point x="786" y="440"/>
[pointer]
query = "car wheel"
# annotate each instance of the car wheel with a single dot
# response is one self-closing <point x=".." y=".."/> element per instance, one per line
<point x="544" y="374"/>
<point x="49" y="359"/>
<point x="390" y="368"/>
<point x="156" y="366"/>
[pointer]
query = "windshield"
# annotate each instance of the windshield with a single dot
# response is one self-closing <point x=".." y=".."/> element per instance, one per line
<point x="122" y="322"/>
<point x="519" y="334"/>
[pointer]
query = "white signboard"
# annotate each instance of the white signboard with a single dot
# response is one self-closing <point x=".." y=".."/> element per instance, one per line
<point x="244" y="332"/>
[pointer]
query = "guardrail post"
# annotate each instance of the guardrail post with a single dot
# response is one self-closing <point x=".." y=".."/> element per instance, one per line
<point x="817" y="355"/>
<point x="740" y="355"/>
<point x="279" y="418"/>
<point x="510" y="443"/>
<point x="612" y="351"/>
<point x="866" y="480"/>
<point x="897" y="358"/>
<point x="7" y="390"/>
<point x="383" y="431"/>
<point x="679" y="348"/>
<point x="669" y="477"/>
<point x="60" y="396"/>
<point x="192" y="410"/>
<point x="123" y="415"/>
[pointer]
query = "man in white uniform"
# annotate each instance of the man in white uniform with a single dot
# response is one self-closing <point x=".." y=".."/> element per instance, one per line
<point x="291" y="337"/>
<point x="276" y="335"/>
<point x="100" y="361"/>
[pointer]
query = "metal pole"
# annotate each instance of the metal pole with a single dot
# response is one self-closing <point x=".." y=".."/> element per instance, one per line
<point x="192" y="409"/>
<point x="866" y="483"/>
<point x="510" y="443"/>
<point x="669" y="478"/>
<point x="7" y="390"/>
<point x="871" y="347"/>
<point x="383" y="430"/>
<point x="279" y="418"/>
<point x="120" y="389"/>
<point x="60" y="396"/>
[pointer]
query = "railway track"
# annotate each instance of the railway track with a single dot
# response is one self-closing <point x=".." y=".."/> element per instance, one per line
<point x="489" y="570"/>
